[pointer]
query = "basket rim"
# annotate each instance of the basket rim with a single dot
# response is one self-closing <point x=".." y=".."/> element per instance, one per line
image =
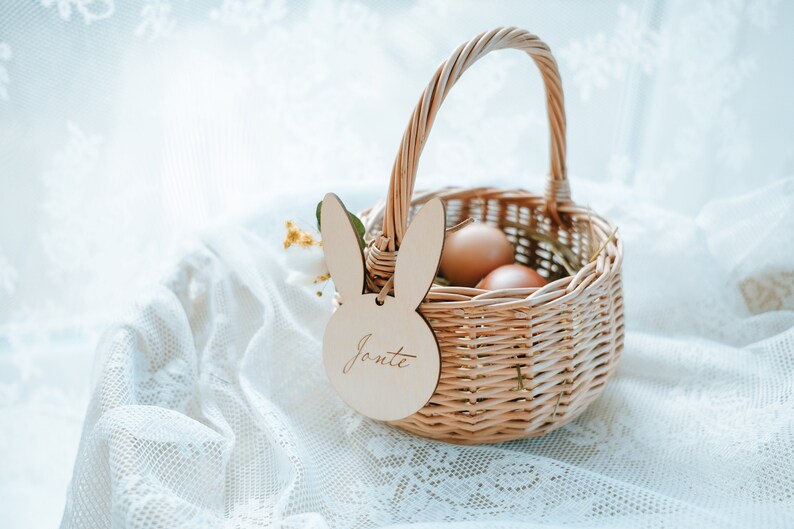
<point x="558" y="292"/>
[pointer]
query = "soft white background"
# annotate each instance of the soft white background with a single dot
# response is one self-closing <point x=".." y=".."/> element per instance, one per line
<point x="128" y="126"/>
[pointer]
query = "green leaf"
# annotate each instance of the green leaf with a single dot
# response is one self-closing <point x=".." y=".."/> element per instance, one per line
<point x="360" y="229"/>
<point x="357" y="224"/>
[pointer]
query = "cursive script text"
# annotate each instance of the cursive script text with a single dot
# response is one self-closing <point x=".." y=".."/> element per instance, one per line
<point x="396" y="358"/>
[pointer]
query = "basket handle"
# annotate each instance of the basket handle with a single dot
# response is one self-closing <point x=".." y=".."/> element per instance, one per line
<point x="403" y="175"/>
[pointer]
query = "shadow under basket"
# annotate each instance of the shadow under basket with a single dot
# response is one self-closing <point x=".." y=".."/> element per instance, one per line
<point x="515" y="363"/>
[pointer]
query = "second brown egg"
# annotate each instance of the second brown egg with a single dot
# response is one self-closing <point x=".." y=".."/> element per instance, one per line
<point x="512" y="276"/>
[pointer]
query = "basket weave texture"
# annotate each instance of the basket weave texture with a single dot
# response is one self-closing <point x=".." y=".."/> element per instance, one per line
<point x="515" y="363"/>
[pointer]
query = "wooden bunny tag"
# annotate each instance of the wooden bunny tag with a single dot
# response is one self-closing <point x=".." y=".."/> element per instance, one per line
<point x="382" y="359"/>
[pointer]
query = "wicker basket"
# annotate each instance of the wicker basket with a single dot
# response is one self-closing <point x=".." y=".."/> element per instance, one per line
<point x="521" y="362"/>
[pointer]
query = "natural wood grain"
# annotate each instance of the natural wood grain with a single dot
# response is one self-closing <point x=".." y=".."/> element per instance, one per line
<point x="341" y="248"/>
<point x="382" y="360"/>
<point x="382" y="356"/>
<point x="417" y="262"/>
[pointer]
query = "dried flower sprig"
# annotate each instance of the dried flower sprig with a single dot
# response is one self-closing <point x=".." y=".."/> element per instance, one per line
<point x="304" y="258"/>
<point x="297" y="237"/>
<point x="307" y="267"/>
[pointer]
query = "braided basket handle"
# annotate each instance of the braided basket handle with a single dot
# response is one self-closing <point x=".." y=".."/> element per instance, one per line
<point x="403" y="175"/>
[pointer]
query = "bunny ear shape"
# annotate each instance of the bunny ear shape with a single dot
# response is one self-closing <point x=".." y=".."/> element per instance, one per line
<point x="341" y="248"/>
<point x="419" y="255"/>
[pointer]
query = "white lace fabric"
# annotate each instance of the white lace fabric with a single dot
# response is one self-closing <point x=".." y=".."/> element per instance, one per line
<point x="212" y="409"/>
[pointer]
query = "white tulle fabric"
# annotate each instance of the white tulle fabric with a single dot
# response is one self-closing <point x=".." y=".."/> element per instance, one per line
<point x="212" y="410"/>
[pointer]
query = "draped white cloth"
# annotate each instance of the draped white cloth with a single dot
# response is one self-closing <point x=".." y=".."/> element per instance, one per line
<point x="126" y="127"/>
<point x="211" y="405"/>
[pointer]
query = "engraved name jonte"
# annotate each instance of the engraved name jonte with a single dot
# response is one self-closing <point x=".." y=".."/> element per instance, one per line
<point x="396" y="358"/>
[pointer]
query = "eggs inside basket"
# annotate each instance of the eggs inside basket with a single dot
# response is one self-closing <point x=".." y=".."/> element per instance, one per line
<point x="500" y="245"/>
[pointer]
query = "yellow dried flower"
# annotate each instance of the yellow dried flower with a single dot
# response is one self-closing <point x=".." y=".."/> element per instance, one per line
<point x="322" y="278"/>
<point x="298" y="237"/>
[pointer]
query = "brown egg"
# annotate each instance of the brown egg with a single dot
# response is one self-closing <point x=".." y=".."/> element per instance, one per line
<point x="512" y="276"/>
<point x="474" y="251"/>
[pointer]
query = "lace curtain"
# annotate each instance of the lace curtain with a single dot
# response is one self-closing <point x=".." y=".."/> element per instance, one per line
<point x="163" y="142"/>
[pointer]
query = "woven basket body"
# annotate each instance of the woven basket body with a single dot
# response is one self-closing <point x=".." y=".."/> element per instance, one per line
<point x="515" y="363"/>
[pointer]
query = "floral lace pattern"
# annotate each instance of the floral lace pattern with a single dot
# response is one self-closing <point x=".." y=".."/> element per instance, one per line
<point x="156" y="21"/>
<point x="90" y="10"/>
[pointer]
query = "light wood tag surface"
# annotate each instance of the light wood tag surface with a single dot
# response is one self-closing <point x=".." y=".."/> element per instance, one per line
<point x="382" y="359"/>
